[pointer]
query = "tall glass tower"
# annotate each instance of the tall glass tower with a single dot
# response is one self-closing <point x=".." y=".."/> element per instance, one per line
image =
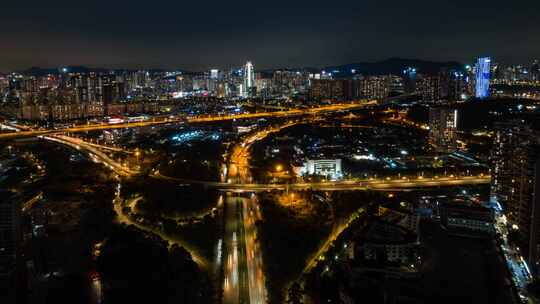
<point x="482" y="77"/>
<point x="249" y="79"/>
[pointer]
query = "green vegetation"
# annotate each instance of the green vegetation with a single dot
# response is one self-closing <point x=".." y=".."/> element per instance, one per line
<point x="139" y="269"/>
<point x="288" y="241"/>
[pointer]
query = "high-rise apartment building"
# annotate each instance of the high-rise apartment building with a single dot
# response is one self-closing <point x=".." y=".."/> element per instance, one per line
<point x="9" y="257"/>
<point x="106" y="97"/>
<point x="457" y="86"/>
<point x="515" y="183"/>
<point x="428" y="86"/>
<point x="376" y="87"/>
<point x="373" y="87"/>
<point x="409" y="80"/>
<point x="442" y="129"/>
<point x="327" y="89"/>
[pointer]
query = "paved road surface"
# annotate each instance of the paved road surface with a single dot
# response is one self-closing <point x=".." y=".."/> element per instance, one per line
<point x="199" y="119"/>
<point x="345" y="185"/>
<point x="243" y="272"/>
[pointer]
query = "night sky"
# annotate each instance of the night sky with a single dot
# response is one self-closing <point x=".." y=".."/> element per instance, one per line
<point x="197" y="35"/>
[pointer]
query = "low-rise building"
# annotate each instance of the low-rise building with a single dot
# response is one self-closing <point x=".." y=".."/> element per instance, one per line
<point x="463" y="217"/>
<point x="386" y="242"/>
<point x="330" y="168"/>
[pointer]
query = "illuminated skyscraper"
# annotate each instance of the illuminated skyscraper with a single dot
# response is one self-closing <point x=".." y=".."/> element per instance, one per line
<point x="482" y="77"/>
<point x="442" y="129"/>
<point x="249" y="79"/>
<point x="214" y="73"/>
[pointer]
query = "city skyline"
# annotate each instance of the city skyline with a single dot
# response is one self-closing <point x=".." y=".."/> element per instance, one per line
<point x="297" y="152"/>
<point x="392" y="63"/>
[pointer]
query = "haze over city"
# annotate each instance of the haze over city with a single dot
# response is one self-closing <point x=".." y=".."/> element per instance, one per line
<point x="216" y="34"/>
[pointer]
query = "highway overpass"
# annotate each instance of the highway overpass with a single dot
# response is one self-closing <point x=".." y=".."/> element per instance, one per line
<point x="402" y="184"/>
<point x="197" y="119"/>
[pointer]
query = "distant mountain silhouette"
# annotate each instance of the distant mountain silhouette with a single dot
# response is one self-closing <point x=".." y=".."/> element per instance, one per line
<point x="37" y="71"/>
<point x="394" y="66"/>
<point x="390" y="66"/>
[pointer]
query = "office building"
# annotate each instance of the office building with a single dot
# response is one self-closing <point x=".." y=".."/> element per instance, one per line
<point x="249" y="80"/>
<point x="330" y="168"/>
<point x="214" y="74"/>
<point x="482" y="77"/>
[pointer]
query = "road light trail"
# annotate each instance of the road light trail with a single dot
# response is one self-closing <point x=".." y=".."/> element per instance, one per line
<point x="81" y="145"/>
<point x="345" y="185"/>
<point x="240" y="181"/>
<point x="257" y="288"/>
<point x="246" y="263"/>
<point x="31" y="202"/>
<point x="200" y="119"/>
<point x="244" y="278"/>
<point x="336" y="232"/>
<point x="235" y="274"/>
<point x="114" y="149"/>
<point x="240" y="154"/>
